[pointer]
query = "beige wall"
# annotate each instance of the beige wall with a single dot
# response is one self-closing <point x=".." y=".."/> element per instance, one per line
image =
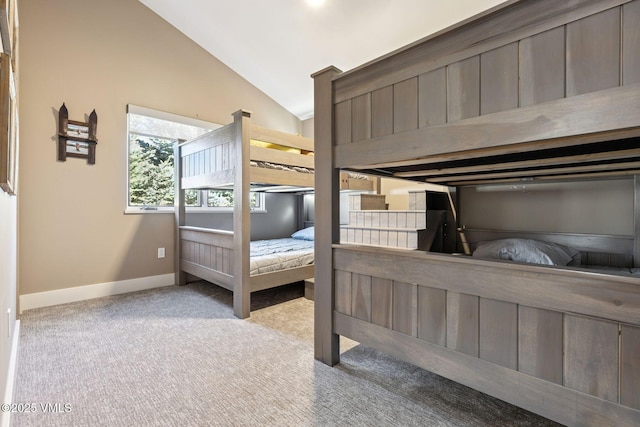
<point x="600" y="207"/>
<point x="104" y="55"/>
<point x="397" y="191"/>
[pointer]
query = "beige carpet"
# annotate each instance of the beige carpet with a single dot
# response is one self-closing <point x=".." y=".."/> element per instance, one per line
<point x="177" y="356"/>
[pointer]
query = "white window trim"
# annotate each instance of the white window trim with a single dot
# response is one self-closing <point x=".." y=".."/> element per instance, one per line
<point x="163" y="115"/>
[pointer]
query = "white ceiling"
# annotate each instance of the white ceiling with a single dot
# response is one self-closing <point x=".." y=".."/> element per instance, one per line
<point x="277" y="44"/>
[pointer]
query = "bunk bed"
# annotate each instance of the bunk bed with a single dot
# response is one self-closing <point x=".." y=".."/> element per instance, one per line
<point x="530" y="90"/>
<point x="245" y="157"/>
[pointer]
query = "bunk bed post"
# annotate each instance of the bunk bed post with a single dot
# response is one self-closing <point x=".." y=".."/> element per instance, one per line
<point x="327" y="218"/>
<point x="180" y="277"/>
<point x="241" y="216"/>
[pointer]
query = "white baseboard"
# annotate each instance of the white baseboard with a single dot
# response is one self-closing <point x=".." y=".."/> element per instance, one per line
<point x="5" y="421"/>
<point x="81" y="293"/>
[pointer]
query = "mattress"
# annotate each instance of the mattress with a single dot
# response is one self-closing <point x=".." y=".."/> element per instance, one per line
<point x="279" y="254"/>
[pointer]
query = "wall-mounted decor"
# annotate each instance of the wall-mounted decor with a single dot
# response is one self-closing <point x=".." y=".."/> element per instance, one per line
<point x="8" y="127"/>
<point x="77" y="139"/>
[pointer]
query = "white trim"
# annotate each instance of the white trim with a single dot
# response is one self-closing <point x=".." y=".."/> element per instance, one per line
<point x="171" y="117"/>
<point x="80" y="293"/>
<point x="5" y="421"/>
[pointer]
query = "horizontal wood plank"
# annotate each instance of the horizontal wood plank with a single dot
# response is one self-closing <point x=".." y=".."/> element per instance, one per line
<point x="281" y="138"/>
<point x="281" y="157"/>
<point x="560" y="289"/>
<point x="280" y="177"/>
<point x="506" y="132"/>
<point x="282" y="277"/>
<point x="214" y="276"/>
<point x="536" y="395"/>
<point x="207" y="236"/>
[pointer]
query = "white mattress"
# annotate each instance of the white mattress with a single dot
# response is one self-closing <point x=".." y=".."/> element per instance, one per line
<point x="279" y="254"/>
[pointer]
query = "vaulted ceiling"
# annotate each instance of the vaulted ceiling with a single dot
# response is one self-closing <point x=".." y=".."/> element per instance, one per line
<point x="277" y="44"/>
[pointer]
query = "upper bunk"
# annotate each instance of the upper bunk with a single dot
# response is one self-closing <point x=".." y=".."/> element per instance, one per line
<point x="269" y="160"/>
<point x="529" y="90"/>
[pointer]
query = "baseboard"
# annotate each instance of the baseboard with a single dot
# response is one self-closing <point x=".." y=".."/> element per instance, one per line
<point x="5" y="421"/>
<point x="80" y="293"/>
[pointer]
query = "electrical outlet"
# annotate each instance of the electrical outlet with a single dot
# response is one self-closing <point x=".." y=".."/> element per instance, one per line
<point x="160" y="252"/>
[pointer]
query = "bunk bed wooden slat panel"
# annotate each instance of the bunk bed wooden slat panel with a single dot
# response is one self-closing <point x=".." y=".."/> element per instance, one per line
<point x="381" y="112"/>
<point x="210" y="275"/>
<point x="542" y="67"/>
<point x="506" y="132"/>
<point x="223" y="135"/>
<point x="511" y="24"/>
<point x="405" y="105"/>
<point x="432" y="97"/>
<point x="281" y="138"/>
<point x="584" y="351"/>
<point x="498" y="333"/>
<point x="630" y="43"/>
<point x="537" y="395"/>
<point x="593" y="53"/>
<point x="588" y="293"/>
<point x="591" y="356"/>
<point x="630" y="366"/>
<point x="361" y="118"/>
<point x="281" y="157"/>
<point x="381" y="298"/>
<point x="432" y="315"/>
<point x="280" y="177"/>
<point x="540" y="349"/>
<point x="462" y="322"/>
<point x="218" y="238"/>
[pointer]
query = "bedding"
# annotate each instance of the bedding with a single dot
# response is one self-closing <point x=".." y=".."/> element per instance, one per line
<point x="277" y="166"/>
<point x="280" y="254"/>
<point x="528" y="251"/>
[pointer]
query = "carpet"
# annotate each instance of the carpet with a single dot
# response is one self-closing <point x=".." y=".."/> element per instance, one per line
<point x="176" y="356"/>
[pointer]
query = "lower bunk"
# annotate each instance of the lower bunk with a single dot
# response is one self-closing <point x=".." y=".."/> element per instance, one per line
<point x="562" y="342"/>
<point x="209" y="254"/>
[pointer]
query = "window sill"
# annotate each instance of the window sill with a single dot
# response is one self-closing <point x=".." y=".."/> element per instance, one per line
<point x="170" y="210"/>
<point x="134" y="210"/>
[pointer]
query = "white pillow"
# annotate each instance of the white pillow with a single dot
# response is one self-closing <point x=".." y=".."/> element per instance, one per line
<point x="526" y="250"/>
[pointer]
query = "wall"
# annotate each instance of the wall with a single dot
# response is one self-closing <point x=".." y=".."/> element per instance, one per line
<point x="397" y="191"/>
<point x="600" y="207"/>
<point x="104" y="55"/>
<point x="8" y="271"/>
<point x="279" y="220"/>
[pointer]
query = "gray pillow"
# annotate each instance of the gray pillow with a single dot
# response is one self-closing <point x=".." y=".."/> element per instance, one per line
<point x="526" y="250"/>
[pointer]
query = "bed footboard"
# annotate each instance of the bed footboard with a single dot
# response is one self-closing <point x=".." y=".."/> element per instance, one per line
<point x="207" y="254"/>
<point x="561" y="343"/>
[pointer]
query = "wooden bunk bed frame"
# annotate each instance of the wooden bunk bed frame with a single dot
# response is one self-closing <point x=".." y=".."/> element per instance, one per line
<point x="531" y="89"/>
<point x="222" y="158"/>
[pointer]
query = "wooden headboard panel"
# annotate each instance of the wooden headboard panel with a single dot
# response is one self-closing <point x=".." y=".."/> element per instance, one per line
<point x="596" y="249"/>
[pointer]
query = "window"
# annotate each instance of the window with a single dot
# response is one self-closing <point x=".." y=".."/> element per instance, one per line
<point x="224" y="199"/>
<point x="152" y="138"/>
